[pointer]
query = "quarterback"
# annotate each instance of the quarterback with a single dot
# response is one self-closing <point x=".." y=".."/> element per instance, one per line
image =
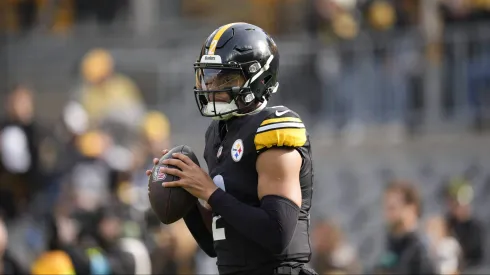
<point x="259" y="188"/>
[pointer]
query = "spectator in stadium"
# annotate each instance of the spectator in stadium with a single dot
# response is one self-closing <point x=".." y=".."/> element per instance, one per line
<point x="444" y="248"/>
<point x="334" y="20"/>
<point x="104" y="12"/>
<point x="163" y="256"/>
<point x="130" y="183"/>
<point x="186" y="247"/>
<point x="108" y="97"/>
<point x="21" y="15"/>
<point x="406" y="251"/>
<point x="382" y="15"/>
<point x="468" y="230"/>
<point x="156" y="129"/>
<point x="332" y="253"/>
<point x="19" y="160"/>
<point x="54" y="260"/>
<point x="475" y="14"/>
<point x="100" y="238"/>
<point x="90" y="177"/>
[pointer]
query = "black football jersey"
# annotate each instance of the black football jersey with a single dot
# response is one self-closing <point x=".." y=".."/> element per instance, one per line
<point x="231" y="152"/>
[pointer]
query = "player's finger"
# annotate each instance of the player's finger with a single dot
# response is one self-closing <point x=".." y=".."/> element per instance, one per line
<point x="175" y="162"/>
<point x="148" y="172"/>
<point x="164" y="152"/>
<point x="177" y="183"/>
<point x="183" y="158"/>
<point x="173" y="171"/>
<point x="155" y="161"/>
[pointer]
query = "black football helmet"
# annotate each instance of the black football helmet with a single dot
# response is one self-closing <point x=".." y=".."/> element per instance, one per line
<point x="240" y="61"/>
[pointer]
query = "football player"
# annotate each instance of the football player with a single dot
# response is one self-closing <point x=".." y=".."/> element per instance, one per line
<point x="260" y="180"/>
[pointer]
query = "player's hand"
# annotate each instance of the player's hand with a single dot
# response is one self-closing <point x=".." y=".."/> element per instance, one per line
<point x="192" y="177"/>
<point x="155" y="161"/>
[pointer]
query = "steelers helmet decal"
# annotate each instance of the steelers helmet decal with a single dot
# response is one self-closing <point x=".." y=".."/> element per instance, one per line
<point x="236" y="71"/>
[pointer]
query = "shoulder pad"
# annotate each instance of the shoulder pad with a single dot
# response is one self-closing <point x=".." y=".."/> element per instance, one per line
<point x="281" y="128"/>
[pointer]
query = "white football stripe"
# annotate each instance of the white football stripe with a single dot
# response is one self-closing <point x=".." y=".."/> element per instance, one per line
<point x="281" y="125"/>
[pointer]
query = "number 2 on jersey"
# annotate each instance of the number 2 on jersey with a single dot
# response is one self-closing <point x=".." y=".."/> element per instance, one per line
<point x="218" y="232"/>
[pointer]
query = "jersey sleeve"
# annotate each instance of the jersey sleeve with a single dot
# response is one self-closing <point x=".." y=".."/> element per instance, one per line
<point x="280" y="129"/>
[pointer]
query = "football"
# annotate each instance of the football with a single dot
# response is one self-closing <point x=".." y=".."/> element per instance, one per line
<point x="170" y="204"/>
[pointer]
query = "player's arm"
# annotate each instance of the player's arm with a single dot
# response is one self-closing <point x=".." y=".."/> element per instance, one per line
<point x="272" y="225"/>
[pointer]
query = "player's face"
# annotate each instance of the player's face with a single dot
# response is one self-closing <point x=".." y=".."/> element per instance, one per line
<point x="217" y="81"/>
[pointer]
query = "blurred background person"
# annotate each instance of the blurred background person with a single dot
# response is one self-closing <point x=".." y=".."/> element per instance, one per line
<point x="332" y="254"/>
<point x="162" y="244"/>
<point x="186" y="248"/>
<point x="90" y="178"/>
<point x="445" y="249"/>
<point x="156" y="128"/>
<point x="406" y="251"/>
<point x="462" y="225"/>
<point x="108" y="96"/>
<point x="20" y="136"/>
<point x="99" y="238"/>
<point x="455" y="14"/>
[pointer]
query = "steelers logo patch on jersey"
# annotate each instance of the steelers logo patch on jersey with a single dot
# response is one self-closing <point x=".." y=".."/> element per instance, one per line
<point x="237" y="150"/>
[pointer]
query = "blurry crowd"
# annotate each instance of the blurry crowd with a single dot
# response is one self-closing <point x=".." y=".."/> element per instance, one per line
<point x="367" y="63"/>
<point x="372" y="59"/>
<point x="59" y="16"/>
<point x="415" y="243"/>
<point x="342" y="20"/>
<point x="73" y="195"/>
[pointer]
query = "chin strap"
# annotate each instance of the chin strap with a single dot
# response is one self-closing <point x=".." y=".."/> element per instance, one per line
<point x="255" y="111"/>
